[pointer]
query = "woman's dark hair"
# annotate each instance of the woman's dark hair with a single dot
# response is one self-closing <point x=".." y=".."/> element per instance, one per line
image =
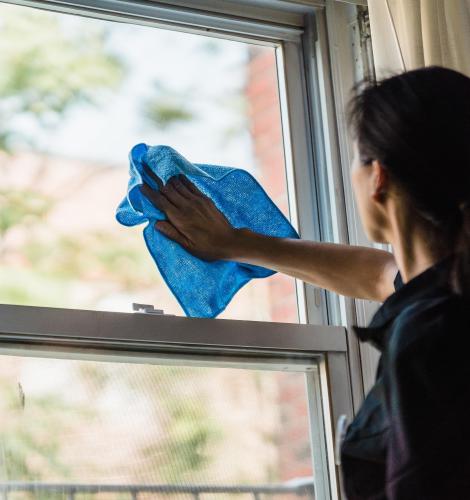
<point x="417" y="124"/>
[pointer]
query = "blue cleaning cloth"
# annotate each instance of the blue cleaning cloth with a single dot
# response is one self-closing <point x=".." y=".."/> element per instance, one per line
<point x="203" y="289"/>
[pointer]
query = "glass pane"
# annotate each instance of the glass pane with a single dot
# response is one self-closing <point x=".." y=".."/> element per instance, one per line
<point x="75" y="95"/>
<point x="79" y="426"/>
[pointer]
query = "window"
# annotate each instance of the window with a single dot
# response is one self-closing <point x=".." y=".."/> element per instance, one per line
<point x="77" y="94"/>
<point x="98" y="402"/>
<point x="136" y="423"/>
<point x="102" y="405"/>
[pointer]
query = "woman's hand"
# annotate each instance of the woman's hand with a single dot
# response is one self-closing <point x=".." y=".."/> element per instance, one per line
<point x="193" y="220"/>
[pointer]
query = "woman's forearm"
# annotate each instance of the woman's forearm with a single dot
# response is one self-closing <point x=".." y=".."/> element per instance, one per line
<point x="354" y="271"/>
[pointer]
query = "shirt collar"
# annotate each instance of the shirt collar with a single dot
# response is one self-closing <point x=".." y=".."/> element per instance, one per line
<point x="430" y="282"/>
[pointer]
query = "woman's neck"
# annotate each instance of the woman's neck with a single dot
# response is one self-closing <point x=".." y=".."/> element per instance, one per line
<point x="413" y="245"/>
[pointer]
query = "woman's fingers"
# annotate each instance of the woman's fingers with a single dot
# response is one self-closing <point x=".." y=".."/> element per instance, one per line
<point x="180" y="183"/>
<point x="190" y="186"/>
<point x="170" y="190"/>
<point x="171" y="204"/>
<point x="152" y="175"/>
<point x="157" y="198"/>
<point x="180" y="200"/>
<point x="177" y="183"/>
<point x="171" y="232"/>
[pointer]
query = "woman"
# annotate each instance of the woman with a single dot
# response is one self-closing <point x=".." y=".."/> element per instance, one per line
<point x="411" y="177"/>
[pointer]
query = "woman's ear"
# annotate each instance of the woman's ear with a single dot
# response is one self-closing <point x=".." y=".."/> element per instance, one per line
<point x="380" y="181"/>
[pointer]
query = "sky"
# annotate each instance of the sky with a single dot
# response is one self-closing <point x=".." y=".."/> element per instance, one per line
<point x="211" y="70"/>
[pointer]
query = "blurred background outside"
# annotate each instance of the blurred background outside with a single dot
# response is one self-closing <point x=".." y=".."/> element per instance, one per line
<point x="75" y="95"/>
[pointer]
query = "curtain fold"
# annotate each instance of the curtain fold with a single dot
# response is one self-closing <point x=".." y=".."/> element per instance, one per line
<point x="408" y="34"/>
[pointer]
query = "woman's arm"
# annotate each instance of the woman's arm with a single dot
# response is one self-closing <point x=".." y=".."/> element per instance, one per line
<point x="354" y="271"/>
<point x="195" y="223"/>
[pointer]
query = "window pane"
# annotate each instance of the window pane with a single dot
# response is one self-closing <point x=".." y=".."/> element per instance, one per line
<point x="75" y="95"/>
<point x="120" y="425"/>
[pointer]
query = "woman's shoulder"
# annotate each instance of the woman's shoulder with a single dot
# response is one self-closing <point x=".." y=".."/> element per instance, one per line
<point x="433" y="320"/>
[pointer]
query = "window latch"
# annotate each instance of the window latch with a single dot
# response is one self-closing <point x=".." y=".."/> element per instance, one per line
<point x="146" y="309"/>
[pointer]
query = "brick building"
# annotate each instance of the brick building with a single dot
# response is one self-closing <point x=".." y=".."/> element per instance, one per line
<point x="264" y="111"/>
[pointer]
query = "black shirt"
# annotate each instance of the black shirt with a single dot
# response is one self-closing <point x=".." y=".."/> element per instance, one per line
<point x="410" y="439"/>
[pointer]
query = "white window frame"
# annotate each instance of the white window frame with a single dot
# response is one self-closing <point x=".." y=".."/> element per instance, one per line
<point x="317" y="64"/>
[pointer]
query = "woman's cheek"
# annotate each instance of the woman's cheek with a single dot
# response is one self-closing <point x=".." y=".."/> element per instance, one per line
<point x="359" y="184"/>
<point x="359" y="181"/>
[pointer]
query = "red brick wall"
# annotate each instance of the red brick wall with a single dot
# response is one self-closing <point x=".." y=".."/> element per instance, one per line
<point x="263" y="108"/>
<point x="265" y="121"/>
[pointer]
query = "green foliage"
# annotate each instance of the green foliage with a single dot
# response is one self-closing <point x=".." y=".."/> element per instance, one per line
<point x="189" y="434"/>
<point x="168" y="107"/>
<point x="210" y="46"/>
<point x="25" y="287"/>
<point x="22" y="208"/>
<point x="29" y="448"/>
<point x="164" y="114"/>
<point x="57" y="260"/>
<point x="47" y="68"/>
<point x="93" y="256"/>
<point x="33" y="434"/>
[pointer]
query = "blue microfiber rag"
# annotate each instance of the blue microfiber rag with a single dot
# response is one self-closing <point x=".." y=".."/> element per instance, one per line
<point x="202" y="288"/>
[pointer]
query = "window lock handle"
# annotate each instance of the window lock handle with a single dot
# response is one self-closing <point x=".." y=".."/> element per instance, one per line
<point x="146" y="309"/>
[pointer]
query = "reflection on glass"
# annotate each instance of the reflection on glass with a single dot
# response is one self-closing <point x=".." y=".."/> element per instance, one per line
<point x="75" y="95"/>
<point x="121" y="425"/>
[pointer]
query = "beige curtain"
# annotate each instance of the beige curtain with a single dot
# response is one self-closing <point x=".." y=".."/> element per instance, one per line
<point x="409" y="34"/>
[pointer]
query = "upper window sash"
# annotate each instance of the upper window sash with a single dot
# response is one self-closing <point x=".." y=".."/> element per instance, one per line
<point x="295" y="103"/>
<point x="190" y="20"/>
<point x="304" y="81"/>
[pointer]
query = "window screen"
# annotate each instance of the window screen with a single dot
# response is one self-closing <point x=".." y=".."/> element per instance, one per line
<point x="108" y="430"/>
